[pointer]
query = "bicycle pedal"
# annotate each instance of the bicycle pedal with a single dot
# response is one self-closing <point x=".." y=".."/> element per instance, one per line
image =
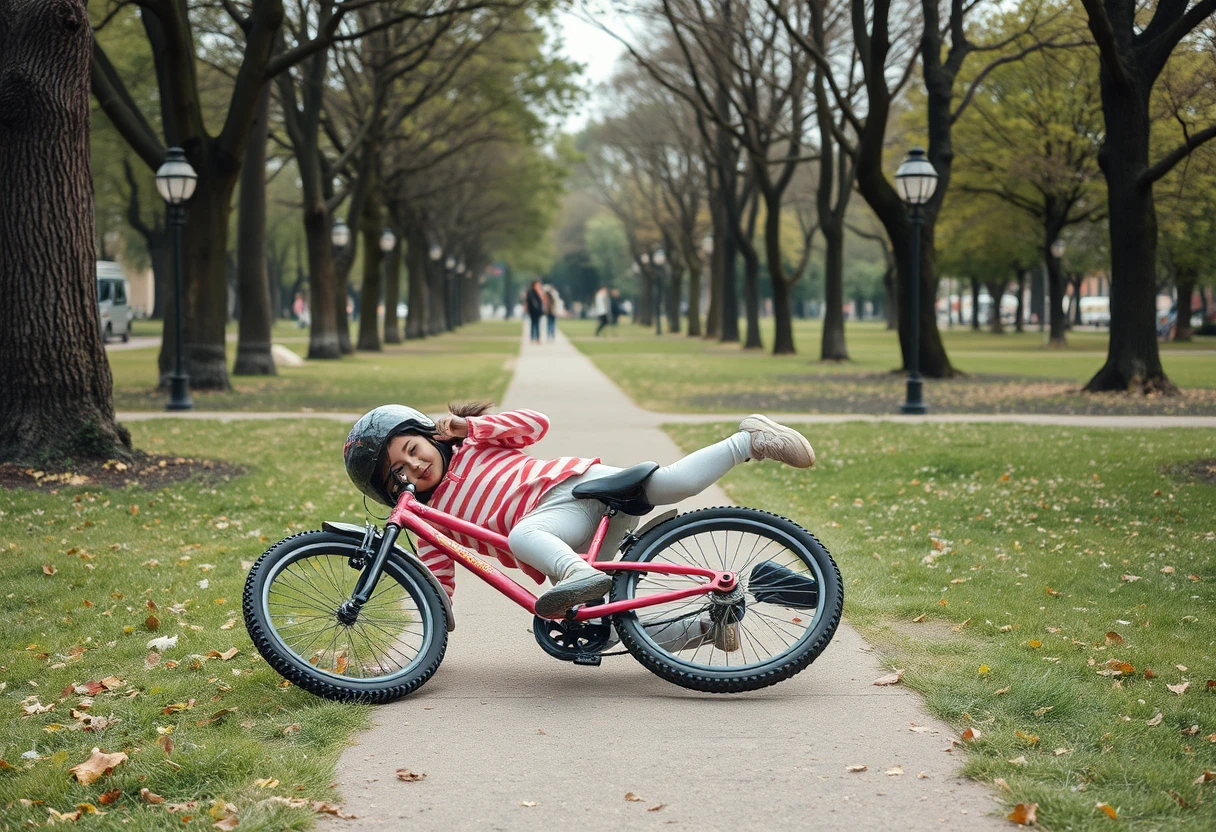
<point x="588" y="659"/>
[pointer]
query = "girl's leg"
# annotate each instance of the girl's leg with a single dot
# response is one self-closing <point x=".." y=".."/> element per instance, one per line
<point x="540" y="541"/>
<point x="697" y="471"/>
<point x="758" y="438"/>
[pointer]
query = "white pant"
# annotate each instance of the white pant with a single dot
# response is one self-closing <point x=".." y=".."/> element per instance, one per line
<point x="548" y="537"/>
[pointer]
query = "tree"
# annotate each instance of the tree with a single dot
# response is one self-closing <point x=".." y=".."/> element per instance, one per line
<point x="1133" y="55"/>
<point x="1030" y="139"/>
<point x="58" y="398"/>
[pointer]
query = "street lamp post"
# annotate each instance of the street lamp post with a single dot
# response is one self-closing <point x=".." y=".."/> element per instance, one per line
<point x="339" y="235"/>
<point x="659" y="258"/>
<point x="457" y="292"/>
<point x="916" y="180"/>
<point x="176" y="180"/>
<point x="449" y="272"/>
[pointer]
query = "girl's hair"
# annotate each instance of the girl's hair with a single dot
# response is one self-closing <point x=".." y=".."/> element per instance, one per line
<point x="467" y="409"/>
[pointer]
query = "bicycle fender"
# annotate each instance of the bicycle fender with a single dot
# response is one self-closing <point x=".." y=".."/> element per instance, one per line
<point x="351" y="530"/>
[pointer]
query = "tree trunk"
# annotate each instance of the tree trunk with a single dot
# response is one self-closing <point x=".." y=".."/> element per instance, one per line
<point x="323" y="333"/>
<point x="783" y="331"/>
<point x="694" y="299"/>
<point x="392" y="293"/>
<point x="1132" y="359"/>
<point x="205" y="306"/>
<point x="416" y="260"/>
<point x="342" y="269"/>
<point x="1019" y="321"/>
<point x="975" y="303"/>
<point x="997" y="290"/>
<point x="58" y="391"/>
<point x="373" y="262"/>
<point x="1057" y="322"/>
<point x="833" y="347"/>
<point x="437" y="296"/>
<point x="674" y="279"/>
<point x="1185" y="283"/>
<point x="253" y="356"/>
<point x="891" y="287"/>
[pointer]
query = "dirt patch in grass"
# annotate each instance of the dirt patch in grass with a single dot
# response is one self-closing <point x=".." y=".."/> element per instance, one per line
<point x="142" y="469"/>
<point x="877" y="393"/>
<point x="1203" y="470"/>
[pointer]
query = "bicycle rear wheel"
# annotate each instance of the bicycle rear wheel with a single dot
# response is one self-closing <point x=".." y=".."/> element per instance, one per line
<point x="291" y="600"/>
<point x="782" y="615"/>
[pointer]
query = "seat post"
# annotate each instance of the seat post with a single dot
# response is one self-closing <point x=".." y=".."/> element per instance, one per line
<point x="593" y="552"/>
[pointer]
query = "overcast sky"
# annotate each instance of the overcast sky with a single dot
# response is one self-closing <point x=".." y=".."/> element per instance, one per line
<point x="596" y="50"/>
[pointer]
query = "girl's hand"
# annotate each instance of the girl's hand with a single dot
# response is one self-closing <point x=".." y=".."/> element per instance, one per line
<point x="452" y="427"/>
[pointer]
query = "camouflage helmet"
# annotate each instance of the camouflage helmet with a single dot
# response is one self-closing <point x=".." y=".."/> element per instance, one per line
<point x="368" y="441"/>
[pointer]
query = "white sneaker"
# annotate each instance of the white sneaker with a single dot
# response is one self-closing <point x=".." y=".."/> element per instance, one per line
<point x="773" y="441"/>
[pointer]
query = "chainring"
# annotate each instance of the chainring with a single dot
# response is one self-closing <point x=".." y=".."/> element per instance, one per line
<point x="567" y="640"/>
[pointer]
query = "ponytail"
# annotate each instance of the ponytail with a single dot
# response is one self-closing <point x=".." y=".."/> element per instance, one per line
<point x="467" y="409"/>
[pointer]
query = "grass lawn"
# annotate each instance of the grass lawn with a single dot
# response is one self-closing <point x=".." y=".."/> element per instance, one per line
<point x="1005" y="373"/>
<point x="86" y="571"/>
<point x="467" y="364"/>
<point x="1043" y="586"/>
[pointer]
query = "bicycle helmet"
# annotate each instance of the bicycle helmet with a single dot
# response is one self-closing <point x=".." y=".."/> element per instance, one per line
<point x="368" y="440"/>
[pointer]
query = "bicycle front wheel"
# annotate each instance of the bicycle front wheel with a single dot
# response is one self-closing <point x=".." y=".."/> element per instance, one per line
<point x="781" y="616"/>
<point x="291" y="601"/>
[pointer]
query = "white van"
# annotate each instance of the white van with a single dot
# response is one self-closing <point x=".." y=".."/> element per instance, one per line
<point x="113" y="294"/>
<point x="1095" y="311"/>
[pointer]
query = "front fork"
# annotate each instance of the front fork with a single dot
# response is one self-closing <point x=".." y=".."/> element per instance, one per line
<point x="365" y="587"/>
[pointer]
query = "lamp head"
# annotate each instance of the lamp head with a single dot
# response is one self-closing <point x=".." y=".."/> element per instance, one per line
<point x="175" y="179"/>
<point x="916" y="179"/>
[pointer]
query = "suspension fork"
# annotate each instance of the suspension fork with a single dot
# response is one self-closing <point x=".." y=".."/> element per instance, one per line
<point x="365" y="587"/>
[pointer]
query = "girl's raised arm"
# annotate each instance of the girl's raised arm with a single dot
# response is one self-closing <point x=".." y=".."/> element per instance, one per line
<point x="513" y="429"/>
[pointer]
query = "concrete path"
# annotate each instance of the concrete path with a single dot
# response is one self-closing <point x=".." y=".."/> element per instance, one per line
<point x="511" y="739"/>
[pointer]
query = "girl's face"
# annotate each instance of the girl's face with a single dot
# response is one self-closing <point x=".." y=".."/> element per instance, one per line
<point x="413" y="459"/>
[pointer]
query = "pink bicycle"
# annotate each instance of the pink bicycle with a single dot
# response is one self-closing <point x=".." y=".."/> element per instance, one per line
<point x="720" y="600"/>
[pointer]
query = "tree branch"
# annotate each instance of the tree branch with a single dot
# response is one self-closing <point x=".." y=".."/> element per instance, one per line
<point x="116" y="103"/>
<point x="1169" y="160"/>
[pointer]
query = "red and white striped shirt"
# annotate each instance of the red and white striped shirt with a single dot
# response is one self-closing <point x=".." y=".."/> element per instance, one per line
<point x="491" y="483"/>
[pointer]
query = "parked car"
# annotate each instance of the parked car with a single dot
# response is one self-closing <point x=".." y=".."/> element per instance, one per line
<point x="1095" y="311"/>
<point x="113" y="293"/>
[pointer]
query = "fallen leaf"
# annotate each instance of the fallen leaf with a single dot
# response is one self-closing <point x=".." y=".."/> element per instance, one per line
<point x="229" y="822"/>
<point x="407" y="776"/>
<point x="656" y="807"/>
<point x="1020" y="760"/>
<point x="1001" y="692"/>
<point x="894" y="771"/>
<point x="177" y="707"/>
<point x="632" y="798"/>
<point x="1206" y="777"/>
<point x="188" y="806"/>
<point x="1179" y="689"/>
<point x="163" y="643"/>
<point x="919" y="619"/>
<point x="216" y="717"/>
<point x="1060" y="752"/>
<point x="322" y="807"/>
<point x="49" y="569"/>
<point x="1041" y="711"/>
<point x="225" y="656"/>
<point x="889" y="679"/>
<point x="1055" y="593"/>
<point x="857" y="768"/>
<point x="1155" y="720"/>
<point x="97" y="765"/>
<point x="266" y="783"/>
<point x="112" y="683"/>
<point x="1177" y="798"/>
<point x="984" y="669"/>
<point x="528" y="803"/>
<point x="1024" y="813"/>
<point x="971" y="735"/>
<point x="1110" y="810"/>
<point x="150" y="796"/>
<point x="1120" y="666"/>
<point x="1035" y="643"/>
<point x="1167" y="570"/>
<point x="106" y="798"/>
<point x="166" y="742"/>
<point x="1114" y="638"/>
<point x="229" y="624"/>
<point x="1001" y="784"/>
<point x="1190" y="732"/>
<point x="152" y="623"/>
<point x="1033" y="739"/>
<point x="293" y="728"/>
<point x="1130" y="578"/>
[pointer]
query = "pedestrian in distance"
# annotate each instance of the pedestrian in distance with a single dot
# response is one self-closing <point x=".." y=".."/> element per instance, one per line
<point x="552" y="301"/>
<point x="536" y="309"/>
<point x="600" y="308"/>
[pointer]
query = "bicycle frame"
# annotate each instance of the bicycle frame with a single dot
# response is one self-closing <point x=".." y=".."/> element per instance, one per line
<point x="418" y="517"/>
